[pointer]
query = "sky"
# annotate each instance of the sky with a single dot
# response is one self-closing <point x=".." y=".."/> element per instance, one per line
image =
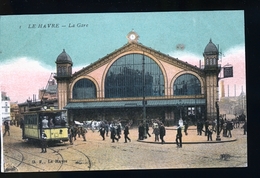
<point x="30" y="44"/>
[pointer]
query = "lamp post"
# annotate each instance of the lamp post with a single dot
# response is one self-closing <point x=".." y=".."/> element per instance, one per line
<point x="144" y="102"/>
<point x="218" y="136"/>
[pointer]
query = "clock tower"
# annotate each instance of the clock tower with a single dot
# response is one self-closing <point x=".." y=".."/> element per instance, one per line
<point x="63" y="75"/>
<point x="211" y="69"/>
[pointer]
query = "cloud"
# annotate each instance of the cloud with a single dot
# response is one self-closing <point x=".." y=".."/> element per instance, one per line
<point x="23" y="77"/>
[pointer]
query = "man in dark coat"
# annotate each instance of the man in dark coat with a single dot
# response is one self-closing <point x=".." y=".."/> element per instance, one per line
<point x="126" y="133"/>
<point x="179" y="137"/>
<point x="113" y="134"/>
<point x="199" y="127"/>
<point x="206" y="127"/>
<point x="147" y="129"/>
<point x="118" y="130"/>
<point x="83" y="132"/>
<point x="141" y="132"/>
<point x="70" y="133"/>
<point x="229" y="128"/>
<point x="245" y="127"/>
<point x="43" y="142"/>
<point x="210" y="132"/>
<point x="162" y="132"/>
<point x="185" y="123"/>
<point x="7" y="128"/>
<point x="102" y="132"/>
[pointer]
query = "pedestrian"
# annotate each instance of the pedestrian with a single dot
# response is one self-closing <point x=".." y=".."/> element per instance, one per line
<point x="83" y="132"/>
<point x="43" y="142"/>
<point x="7" y="128"/>
<point x="185" y="123"/>
<point x="22" y="127"/>
<point x="107" y="129"/>
<point x="214" y="124"/>
<point x="156" y="132"/>
<point x="221" y="124"/>
<point x="206" y="127"/>
<point x="78" y="131"/>
<point x="147" y="129"/>
<point x="113" y="134"/>
<point x="199" y="127"/>
<point x="102" y="132"/>
<point x="224" y="129"/>
<point x="70" y="134"/>
<point x="74" y="132"/>
<point x="140" y="132"/>
<point x="229" y="128"/>
<point x="245" y="127"/>
<point x="162" y="133"/>
<point x="126" y="133"/>
<point x="118" y="130"/>
<point x="179" y="137"/>
<point x="210" y="131"/>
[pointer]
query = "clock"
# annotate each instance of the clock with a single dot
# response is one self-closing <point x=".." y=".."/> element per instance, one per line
<point x="132" y="36"/>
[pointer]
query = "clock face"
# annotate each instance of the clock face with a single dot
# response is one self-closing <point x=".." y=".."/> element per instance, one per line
<point x="132" y="36"/>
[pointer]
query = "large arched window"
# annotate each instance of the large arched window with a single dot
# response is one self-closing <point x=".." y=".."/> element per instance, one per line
<point x="187" y="84"/>
<point x="125" y="77"/>
<point x="84" y="89"/>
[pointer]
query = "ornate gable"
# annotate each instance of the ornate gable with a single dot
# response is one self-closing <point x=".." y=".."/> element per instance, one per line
<point x="137" y="47"/>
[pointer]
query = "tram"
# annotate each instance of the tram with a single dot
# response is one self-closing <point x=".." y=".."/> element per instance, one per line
<point x="52" y="122"/>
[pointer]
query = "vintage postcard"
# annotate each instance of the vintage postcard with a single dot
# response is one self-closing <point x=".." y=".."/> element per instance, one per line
<point x="123" y="91"/>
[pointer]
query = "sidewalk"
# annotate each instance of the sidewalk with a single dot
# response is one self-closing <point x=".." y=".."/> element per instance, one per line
<point x="191" y="138"/>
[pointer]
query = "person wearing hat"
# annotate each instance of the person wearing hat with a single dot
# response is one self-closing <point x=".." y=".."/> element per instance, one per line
<point x="179" y="136"/>
<point x="7" y="128"/>
<point x="126" y="133"/>
<point x="44" y="142"/>
<point x="156" y="132"/>
<point x="162" y="132"/>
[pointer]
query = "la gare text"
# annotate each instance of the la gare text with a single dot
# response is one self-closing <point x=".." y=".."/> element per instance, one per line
<point x="56" y="25"/>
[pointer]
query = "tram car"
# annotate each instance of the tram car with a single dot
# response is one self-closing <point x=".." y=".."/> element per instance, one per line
<point x="52" y="122"/>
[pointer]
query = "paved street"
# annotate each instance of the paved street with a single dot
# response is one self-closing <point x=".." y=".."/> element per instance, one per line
<point x="96" y="154"/>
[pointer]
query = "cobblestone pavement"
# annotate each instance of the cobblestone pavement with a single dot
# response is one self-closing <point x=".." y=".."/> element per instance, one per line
<point x="96" y="154"/>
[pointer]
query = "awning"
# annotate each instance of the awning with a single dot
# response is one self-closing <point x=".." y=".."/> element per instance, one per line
<point x="132" y="104"/>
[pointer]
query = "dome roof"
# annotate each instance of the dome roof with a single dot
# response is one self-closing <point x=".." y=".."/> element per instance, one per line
<point x="63" y="58"/>
<point x="211" y="48"/>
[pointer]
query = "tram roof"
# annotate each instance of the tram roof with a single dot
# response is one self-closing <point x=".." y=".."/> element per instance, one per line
<point x="133" y="104"/>
<point x="46" y="111"/>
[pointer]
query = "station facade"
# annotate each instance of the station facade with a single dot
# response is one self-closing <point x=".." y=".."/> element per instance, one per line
<point x="135" y="80"/>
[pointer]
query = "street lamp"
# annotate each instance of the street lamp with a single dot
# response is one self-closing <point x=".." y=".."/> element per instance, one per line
<point x="218" y="136"/>
<point x="144" y="101"/>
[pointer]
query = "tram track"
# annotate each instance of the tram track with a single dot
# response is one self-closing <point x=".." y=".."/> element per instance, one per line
<point x="20" y="161"/>
<point x="89" y="161"/>
<point x="55" y="150"/>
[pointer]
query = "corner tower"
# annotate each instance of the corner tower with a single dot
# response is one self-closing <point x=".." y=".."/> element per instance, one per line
<point x="211" y="69"/>
<point x="63" y="75"/>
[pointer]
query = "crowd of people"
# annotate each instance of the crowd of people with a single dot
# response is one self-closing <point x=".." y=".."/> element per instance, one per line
<point x="115" y="128"/>
<point x="158" y="130"/>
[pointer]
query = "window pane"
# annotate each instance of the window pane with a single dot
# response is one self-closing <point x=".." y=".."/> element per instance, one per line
<point x="84" y="88"/>
<point x="186" y="84"/>
<point x="129" y="80"/>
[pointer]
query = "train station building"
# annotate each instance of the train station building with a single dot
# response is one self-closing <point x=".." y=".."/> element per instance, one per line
<point x="135" y="80"/>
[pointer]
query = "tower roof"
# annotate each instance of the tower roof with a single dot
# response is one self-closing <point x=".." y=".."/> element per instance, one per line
<point x="63" y="58"/>
<point x="211" y="48"/>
